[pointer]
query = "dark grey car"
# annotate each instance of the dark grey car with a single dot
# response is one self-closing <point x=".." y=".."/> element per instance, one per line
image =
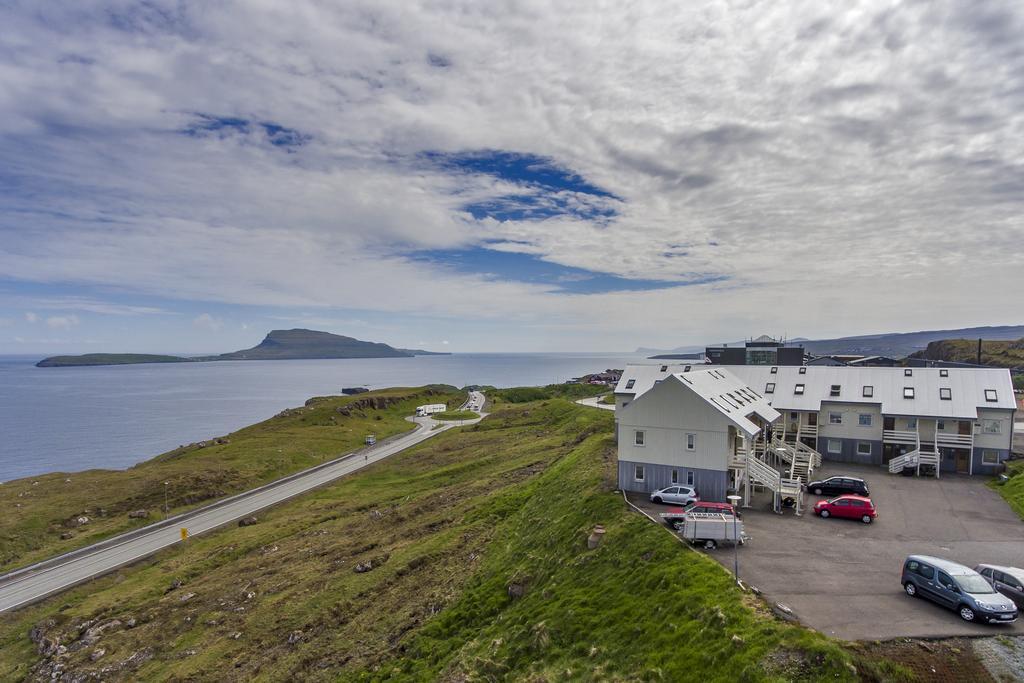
<point x="1007" y="580"/>
<point x="956" y="587"/>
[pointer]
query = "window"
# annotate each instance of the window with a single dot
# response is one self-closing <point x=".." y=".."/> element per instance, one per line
<point x="691" y="442"/>
<point x="944" y="581"/>
<point x="664" y="368"/>
<point x="869" y="391"/>
<point x="686" y="369"/>
<point x="630" y="383"/>
<point x="926" y="571"/>
<point x="769" y="388"/>
<point x="793" y="415"/>
<point x="638" y="438"/>
<point x="864" y="419"/>
<point x="775" y="371"/>
<point x="689" y="477"/>
<point x="990" y="426"/>
<point x="835" y="418"/>
<point x="863" y="448"/>
<point x="908" y="392"/>
<point x="945" y="393"/>
<point x="835" y="390"/>
<point x="943" y="373"/>
<point x="907" y="372"/>
<point x="940" y="425"/>
<point x="989" y="457"/>
<point x="799" y="389"/>
<point x="675" y="476"/>
<point x="638" y="473"/>
<point x="803" y="371"/>
<point x="835" y="446"/>
<point x="991" y="396"/>
<point x="911" y="423"/>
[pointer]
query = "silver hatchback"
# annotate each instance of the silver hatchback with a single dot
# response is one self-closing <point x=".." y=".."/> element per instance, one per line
<point x="680" y="495"/>
<point x="1007" y="580"/>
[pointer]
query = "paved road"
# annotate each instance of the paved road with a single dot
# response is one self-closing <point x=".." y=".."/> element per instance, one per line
<point x="593" y="403"/>
<point x="29" y="585"/>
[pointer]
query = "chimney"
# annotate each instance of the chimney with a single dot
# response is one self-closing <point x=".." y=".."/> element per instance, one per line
<point x="979" y="352"/>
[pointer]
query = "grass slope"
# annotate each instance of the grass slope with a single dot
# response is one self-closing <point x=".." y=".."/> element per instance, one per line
<point x="1013" y="490"/>
<point x="37" y="511"/>
<point x="461" y="559"/>
<point x="455" y="415"/>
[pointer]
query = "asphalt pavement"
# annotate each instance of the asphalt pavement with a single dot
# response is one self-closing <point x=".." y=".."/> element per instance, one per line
<point x="25" y="586"/>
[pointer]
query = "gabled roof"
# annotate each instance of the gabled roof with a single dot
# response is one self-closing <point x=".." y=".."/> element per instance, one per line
<point x="967" y="387"/>
<point x="727" y="394"/>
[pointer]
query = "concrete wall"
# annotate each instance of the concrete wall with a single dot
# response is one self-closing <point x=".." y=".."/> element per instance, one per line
<point x="712" y="485"/>
<point x="849" y="450"/>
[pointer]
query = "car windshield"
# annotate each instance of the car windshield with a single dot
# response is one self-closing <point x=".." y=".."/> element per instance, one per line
<point x="974" y="584"/>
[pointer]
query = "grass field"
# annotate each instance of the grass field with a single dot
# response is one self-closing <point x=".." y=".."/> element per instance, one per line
<point x="461" y="559"/>
<point x="455" y="415"/>
<point x="38" y="511"/>
<point x="1013" y="490"/>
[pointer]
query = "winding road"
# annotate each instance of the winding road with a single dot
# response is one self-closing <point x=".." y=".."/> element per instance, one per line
<point x="25" y="586"/>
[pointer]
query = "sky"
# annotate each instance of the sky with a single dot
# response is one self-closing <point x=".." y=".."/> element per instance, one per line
<point x="182" y="177"/>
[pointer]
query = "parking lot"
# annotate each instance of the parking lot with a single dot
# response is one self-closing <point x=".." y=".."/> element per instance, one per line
<point x="842" y="577"/>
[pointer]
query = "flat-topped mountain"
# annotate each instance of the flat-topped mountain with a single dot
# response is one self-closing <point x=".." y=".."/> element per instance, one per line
<point x="294" y="344"/>
<point x="300" y="343"/>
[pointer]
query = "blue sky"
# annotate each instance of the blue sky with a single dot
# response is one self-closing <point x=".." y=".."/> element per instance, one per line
<point x="183" y="177"/>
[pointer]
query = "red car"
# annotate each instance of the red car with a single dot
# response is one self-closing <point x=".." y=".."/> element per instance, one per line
<point x="848" y="507"/>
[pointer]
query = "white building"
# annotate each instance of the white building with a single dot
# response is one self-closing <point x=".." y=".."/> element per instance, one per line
<point x="959" y="418"/>
<point x="683" y="429"/>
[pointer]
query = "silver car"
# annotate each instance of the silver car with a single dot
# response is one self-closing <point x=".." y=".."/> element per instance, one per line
<point x="1007" y="580"/>
<point x="680" y="495"/>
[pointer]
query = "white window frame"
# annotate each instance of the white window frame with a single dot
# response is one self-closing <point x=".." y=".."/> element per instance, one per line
<point x="861" y="451"/>
<point x="769" y="388"/>
<point x="638" y="470"/>
<point x="691" y="442"/>
<point x="907" y="372"/>
<point x="994" y="457"/>
<point x="639" y="438"/>
<point x="835" y="389"/>
<point x="862" y="422"/>
<point x="774" y="371"/>
<point x="802" y="371"/>
<point x="991" y="427"/>
<point x="630" y="383"/>
<point x="908" y="392"/>
<point x="945" y="394"/>
<point x="943" y="373"/>
<point x="798" y="390"/>
<point x="835" y="418"/>
<point x="689" y="477"/>
<point x="839" y="445"/>
<point x="991" y="396"/>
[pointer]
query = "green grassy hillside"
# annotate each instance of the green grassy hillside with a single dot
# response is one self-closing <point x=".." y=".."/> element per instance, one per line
<point x="39" y="513"/>
<point x="463" y="559"/>
<point x="1004" y="354"/>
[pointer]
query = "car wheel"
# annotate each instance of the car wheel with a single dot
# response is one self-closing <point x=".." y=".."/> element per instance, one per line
<point x="910" y="588"/>
<point x="678" y="525"/>
<point x="657" y="499"/>
<point x="710" y="544"/>
<point x="824" y="513"/>
<point x="866" y="519"/>
<point x="966" y="613"/>
<point x="817" y="492"/>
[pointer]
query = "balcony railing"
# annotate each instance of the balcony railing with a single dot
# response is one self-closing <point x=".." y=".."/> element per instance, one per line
<point x="899" y="436"/>
<point x="808" y="430"/>
<point x="954" y="440"/>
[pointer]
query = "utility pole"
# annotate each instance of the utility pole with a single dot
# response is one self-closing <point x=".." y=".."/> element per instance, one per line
<point x="735" y="500"/>
<point x="166" y="509"/>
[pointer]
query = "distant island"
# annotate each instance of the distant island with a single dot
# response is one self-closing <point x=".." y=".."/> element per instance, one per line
<point x="297" y="344"/>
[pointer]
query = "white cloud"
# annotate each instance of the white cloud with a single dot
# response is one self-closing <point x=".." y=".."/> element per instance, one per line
<point x="205" y="321"/>
<point x="31" y="317"/>
<point x="839" y="169"/>
<point x="62" y="322"/>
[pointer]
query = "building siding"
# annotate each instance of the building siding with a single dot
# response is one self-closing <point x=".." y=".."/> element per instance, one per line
<point x="849" y="451"/>
<point x="712" y="485"/>
<point x="980" y="468"/>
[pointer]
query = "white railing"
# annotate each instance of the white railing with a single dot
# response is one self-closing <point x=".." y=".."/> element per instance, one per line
<point x="955" y="440"/>
<point x="761" y="472"/>
<point x="738" y="460"/>
<point x="901" y="462"/>
<point x="899" y="436"/>
<point x="808" y="430"/>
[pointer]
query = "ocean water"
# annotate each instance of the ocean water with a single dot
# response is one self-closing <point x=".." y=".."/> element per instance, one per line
<point x="72" y="419"/>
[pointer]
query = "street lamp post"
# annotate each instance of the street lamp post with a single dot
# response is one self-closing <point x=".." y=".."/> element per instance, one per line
<point x="165" y="497"/>
<point x="735" y="500"/>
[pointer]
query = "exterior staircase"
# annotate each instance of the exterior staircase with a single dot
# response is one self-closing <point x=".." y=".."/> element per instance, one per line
<point x="801" y="458"/>
<point x="753" y="464"/>
<point x="914" y="459"/>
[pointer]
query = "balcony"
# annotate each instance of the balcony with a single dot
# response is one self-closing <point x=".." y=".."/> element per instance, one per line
<point x="808" y="430"/>
<point x="954" y="440"/>
<point x="902" y="436"/>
